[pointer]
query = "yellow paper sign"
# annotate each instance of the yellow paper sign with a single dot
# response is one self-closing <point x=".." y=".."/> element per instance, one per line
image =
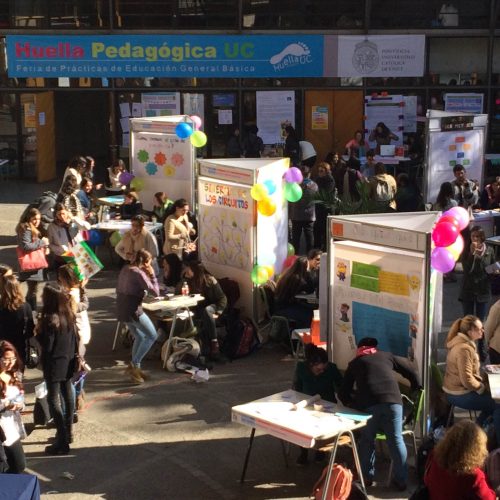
<point x="394" y="283"/>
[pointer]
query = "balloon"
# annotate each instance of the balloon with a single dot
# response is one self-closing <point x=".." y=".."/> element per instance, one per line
<point x="442" y="260"/>
<point x="258" y="192"/>
<point x="270" y="271"/>
<point x="457" y="248"/>
<point x="115" y="238"/>
<point x="293" y="192"/>
<point x="270" y="185"/>
<point x="448" y="218"/>
<point x="444" y="234"/>
<point x="266" y="259"/>
<point x="290" y="249"/>
<point x="95" y="238"/>
<point x="259" y="275"/>
<point x="125" y="177"/>
<point x="293" y="174"/>
<point x="183" y="130"/>
<point x="289" y="261"/>
<point x="198" y="139"/>
<point x="137" y="184"/>
<point x="461" y="215"/>
<point x="266" y="207"/>
<point x="196" y="121"/>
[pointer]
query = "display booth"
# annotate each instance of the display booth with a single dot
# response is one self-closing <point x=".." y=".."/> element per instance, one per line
<point x="233" y="234"/>
<point x="380" y="284"/>
<point x="452" y="139"/>
<point x="160" y="159"/>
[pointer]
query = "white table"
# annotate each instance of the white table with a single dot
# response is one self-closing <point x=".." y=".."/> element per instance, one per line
<point x="125" y="225"/>
<point x="494" y="383"/>
<point x="304" y="427"/>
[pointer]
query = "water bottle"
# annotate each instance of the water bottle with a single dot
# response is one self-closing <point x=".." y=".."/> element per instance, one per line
<point x="105" y="215"/>
<point x="315" y="336"/>
<point x="185" y="289"/>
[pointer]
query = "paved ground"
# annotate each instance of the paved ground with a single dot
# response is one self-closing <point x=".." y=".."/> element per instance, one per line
<point x="169" y="438"/>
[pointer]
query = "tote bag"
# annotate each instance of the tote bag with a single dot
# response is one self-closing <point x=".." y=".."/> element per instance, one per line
<point x="31" y="261"/>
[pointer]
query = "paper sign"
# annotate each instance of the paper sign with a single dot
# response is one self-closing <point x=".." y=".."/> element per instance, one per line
<point x="225" y="116"/>
<point x="126" y="139"/>
<point x="125" y="124"/>
<point x="83" y="260"/>
<point x="319" y="118"/>
<point x="124" y="109"/>
<point x="364" y="283"/>
<point x="41" y="118"/>
<point x="395" y="283"/>
<point x="136" y="109"/>
<point x="365" y="269"/>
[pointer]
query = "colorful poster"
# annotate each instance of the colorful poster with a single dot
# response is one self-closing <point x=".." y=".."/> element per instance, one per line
<point x="388" y="109"/>
<point x="275" y="110"/>
<point x="194" y="104"/>
<point x="29" y="115"/>
<point x="226" y="214"/>
<point x="83" y="261"/>
<point x="161" y="104"/>
<point x="464" y="103"/>
<point x="319" y="118"/>
<point x="395" y="283"/>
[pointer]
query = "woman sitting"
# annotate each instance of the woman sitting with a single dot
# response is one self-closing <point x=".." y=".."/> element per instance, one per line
<point x="454" y="468"/>
<point x="136" y="238"/>
<point x="11" y="404"/>
<point x="16" y="317"/>
<point x="293" y="281"/>
<point x="131" y="206"/>
<point x="171" y="270"/>
<point x="201" y="281"/>
<point x="463" y="384"/>
<point x="86" y="197"/>
<point x="445" y="199"/>
<point x="178" y="230"/>
<point x="161" y="206"/>
<point x="316" y="375"/>
<point x="134" y="281"/>
<point x="115" y="186"/>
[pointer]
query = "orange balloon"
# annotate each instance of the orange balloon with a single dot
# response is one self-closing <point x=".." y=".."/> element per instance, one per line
<point x="266" y="207"/>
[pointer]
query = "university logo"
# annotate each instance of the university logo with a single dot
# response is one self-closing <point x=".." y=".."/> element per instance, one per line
<point x="293" y="54"/>
<point x="365" y="58"/>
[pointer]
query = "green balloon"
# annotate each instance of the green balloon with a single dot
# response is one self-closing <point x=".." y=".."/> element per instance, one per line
<point x="290" y="250"/>
<point x="115" y="238"/>
<point x="259" y="275"/>
<point x="293" y="192"/>
<point x="137" y="184"/>
<point x="198" y="139"/>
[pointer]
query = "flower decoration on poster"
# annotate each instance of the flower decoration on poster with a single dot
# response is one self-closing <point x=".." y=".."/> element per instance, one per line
<point x="169" y="170"/>
<point x="177" y="159"/>
<point x="142" y="155"/>
<point x="160" y="159"/>
<point x="151" y="168"/>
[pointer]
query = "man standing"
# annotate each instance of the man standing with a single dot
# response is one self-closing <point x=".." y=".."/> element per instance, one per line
<point x="465" y="191"/>
<point x="377" y="393"/>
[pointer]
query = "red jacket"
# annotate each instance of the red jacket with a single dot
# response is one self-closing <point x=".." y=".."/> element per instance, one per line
<point x="444" y="485"/>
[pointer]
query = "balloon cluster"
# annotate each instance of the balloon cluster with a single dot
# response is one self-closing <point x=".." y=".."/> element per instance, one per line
<point x="136" y="183"/>
<point x="183" y="130"/>
<point x="292" y="190"/>
<point x="261" y="193"/>
<point x="447" y="239"/>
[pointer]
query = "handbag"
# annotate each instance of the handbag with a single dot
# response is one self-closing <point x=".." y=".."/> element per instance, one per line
<point x="32" y="261"/>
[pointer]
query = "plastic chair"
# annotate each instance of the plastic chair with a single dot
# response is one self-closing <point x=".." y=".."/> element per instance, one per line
<point x="409" y="423"/>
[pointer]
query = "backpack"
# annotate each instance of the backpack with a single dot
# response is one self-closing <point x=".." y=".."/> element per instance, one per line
<point x="45" y="204"/>
<point x="339" y="486"/>
<point x="241" y="338"/>
<point x="383" y="192"/>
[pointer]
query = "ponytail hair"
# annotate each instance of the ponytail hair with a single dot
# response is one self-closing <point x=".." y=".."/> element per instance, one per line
<point x="461" y="325"/>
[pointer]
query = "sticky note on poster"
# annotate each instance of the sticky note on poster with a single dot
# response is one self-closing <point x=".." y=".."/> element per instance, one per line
<point x="365" y="276"/>
<point x="390" y="328"/>
<point x="395" y="283"/>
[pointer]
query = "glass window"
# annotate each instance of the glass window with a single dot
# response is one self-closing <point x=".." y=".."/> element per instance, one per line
<point x="495" y="67"/>
<point x="403" y="14"/>
<point x="8" y="134"/>
<point x="458" y="61"/>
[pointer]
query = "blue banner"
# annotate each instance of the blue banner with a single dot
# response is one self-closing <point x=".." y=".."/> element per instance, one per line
<point x="174" y="56"/>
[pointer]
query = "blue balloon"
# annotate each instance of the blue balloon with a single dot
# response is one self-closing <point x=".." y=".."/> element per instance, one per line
<point x="95" y="238"/>
<point x="183" y="130"/>
<point x="270" y="185"/>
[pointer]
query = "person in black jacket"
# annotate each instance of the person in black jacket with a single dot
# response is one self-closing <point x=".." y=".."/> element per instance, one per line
<point x="57" y="336"/>
<point x="377" y="393"/>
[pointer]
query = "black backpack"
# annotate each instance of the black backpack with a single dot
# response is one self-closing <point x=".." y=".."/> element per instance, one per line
<point x="241" y="338"/>
<point x="45" y="204"/>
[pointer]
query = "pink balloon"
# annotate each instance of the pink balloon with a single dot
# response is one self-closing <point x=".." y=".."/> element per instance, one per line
<point x="196" y="121"/>
<point x="445" y="234"/>
<point x="442" y="260"/>
<point x="461" y="215"/>
<point x="293" y="174"/>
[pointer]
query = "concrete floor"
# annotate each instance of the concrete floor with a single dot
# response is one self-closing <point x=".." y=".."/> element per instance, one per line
<point x="169" y="438"/>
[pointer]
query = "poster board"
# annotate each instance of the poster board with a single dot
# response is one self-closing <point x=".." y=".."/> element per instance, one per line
<point x="453" y="138"/>
<point x="232" y="233"/>
<point x="464" y="103"/>
<point x="161" y="159"/>
<point x="388" y="109"/>
<point x="83" y="261"/>
<point x="275" y="110"/>
<point x="161" y="104"/>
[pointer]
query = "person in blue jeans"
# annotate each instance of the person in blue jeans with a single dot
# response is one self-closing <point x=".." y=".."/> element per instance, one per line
<point x="134" y="280"/>
<point x="377" y="393"/>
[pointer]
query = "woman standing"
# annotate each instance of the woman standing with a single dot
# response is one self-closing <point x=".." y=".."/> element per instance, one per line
<point x="57" y="336"/>
<point x="326" y="188"/>
<point x="178" y="230"/>
<point x="201" y="281"/>
<point x="463" y="384"/>
<point x="475" y="292"/>
<point x="445" y="200"/>
<point x="68" y="196"/>
<point x="115" y="186"/>
<point x="11" y="404"/>
<point x="292" y="146"/>
<point x="454" y="468"/>
<point x="30" y="239"/>
<point x="136" y="238"/>
<point x="16" y="317"/>
<point x="356" y="146"/>
<point x="382" y="136"/>
<point x="134" y="280"/>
